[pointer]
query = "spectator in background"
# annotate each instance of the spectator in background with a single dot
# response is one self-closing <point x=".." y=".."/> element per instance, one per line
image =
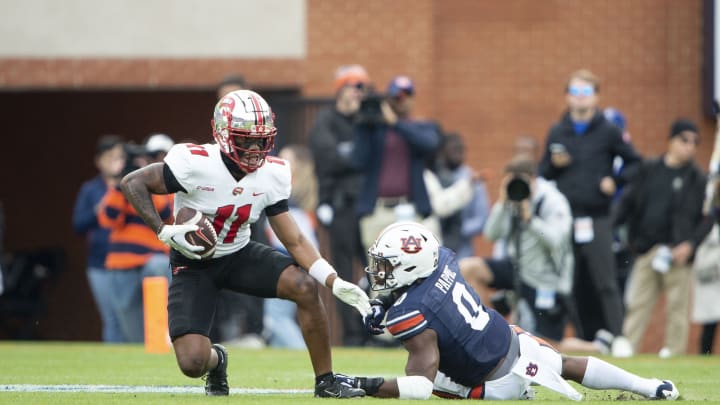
<point x="707" y="280"/>
<point x="2" y="248"/>
<point x="338" y="182"/>
<point x="157" y="146"/>
<point x="240" y="316"/>
<point x="460" y="228"/>
<point x="109" y="160"/>
<point x="281" y="327"/>
<point x="134" y="251"/>
<point x="578" y="156"/>
<point x="535" y="220"/>
<point x="705" y="310"/>
<point x="391" y="151"/>
<point x="621" y="250"/>
<point x="527" y="145"/>
<point x="231" y="83"/>
<point x="663" y="208"/>
<point x="446" y="201"/>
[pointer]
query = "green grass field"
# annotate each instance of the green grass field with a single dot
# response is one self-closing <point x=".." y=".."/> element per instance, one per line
<point x="56" y="366"/>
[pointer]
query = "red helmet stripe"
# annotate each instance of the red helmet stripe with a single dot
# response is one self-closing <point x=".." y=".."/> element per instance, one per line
<point x="258" y="110"/>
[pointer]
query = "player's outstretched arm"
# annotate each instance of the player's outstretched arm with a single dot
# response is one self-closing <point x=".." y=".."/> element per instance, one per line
<point x="138" y="187"/>
<point x="308" y="258"/>
<point x="421" y="368"/>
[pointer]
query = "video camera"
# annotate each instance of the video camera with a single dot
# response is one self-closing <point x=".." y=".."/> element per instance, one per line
<point x="134" y="158"/>
<point x="370" y="111"/>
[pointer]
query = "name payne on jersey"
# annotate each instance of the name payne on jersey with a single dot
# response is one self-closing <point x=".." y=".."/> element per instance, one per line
<point x="446" y="280"/>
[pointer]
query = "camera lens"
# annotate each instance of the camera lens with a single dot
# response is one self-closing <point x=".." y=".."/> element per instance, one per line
<point x="518" y="189"/>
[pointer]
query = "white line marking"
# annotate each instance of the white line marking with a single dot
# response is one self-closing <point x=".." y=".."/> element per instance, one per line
<point x="163" y="389"/>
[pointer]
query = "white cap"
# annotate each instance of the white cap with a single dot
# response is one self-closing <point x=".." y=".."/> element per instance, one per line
<point x="159" y="143"/>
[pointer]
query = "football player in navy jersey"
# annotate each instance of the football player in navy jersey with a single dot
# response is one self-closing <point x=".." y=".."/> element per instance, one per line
<point x="232" y="182"/>
<point x="457" y="347"/>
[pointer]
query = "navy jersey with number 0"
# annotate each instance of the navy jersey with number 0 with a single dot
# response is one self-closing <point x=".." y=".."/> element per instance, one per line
<point x="471" y="338"/>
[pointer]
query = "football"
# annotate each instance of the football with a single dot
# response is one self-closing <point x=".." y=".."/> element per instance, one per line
<point x="205" y="236"/>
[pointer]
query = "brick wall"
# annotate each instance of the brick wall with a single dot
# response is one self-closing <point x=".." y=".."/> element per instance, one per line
<point x="490" y="70"/>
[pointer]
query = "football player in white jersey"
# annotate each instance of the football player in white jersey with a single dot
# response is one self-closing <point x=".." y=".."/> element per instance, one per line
<point x="232" y="182"/>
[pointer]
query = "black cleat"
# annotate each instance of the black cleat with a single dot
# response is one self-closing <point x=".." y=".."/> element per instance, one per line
<point x="337" y="388"/>
<point x="216" y="380"/>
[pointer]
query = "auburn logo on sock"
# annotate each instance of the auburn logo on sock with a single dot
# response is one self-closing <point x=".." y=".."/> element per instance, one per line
<point x="531" y="369"/>
<point x="411" y="244"/>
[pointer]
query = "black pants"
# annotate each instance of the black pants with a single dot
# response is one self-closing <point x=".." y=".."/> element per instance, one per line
<point x="233" y="307"/>
<point x="707" y="337"/>
<point x="596" y="291"/>
<point x="344" y="235"/>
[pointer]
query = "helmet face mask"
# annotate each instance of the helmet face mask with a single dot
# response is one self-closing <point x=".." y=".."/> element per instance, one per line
<point x="403" y="253"/>
<point x="380" y="270"/>
<point x="244" y="128"/>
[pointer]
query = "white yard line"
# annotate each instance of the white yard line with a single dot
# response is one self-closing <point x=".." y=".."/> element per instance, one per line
<point x="131" y="389"/>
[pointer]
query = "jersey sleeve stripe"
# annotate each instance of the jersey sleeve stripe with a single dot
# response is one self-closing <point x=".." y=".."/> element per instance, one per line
<point x="402" y="324"/>
<point x="406" y="332"/>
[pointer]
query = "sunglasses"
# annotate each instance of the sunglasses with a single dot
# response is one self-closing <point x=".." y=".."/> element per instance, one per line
<point x="585" y="91"/>
<point x="357" y="85"/>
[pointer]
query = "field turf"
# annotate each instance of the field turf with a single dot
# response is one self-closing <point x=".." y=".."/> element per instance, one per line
<point x="89" y="373"/>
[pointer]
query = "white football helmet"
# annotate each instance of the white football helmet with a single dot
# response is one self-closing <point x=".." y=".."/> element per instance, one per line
<point x="403" y="253"/>
<point x="244" y="128"/>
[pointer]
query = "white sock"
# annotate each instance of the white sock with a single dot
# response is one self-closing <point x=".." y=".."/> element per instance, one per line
<point x="601" y="375"/>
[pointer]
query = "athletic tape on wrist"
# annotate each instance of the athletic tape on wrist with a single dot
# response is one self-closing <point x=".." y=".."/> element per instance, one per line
<point x="320" y="270"/>
<point x="414" y="387"/>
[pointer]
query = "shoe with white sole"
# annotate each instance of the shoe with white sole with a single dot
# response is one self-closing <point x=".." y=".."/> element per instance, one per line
<point x="666" y="390"/>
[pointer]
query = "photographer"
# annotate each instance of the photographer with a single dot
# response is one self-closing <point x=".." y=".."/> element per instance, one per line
<point x="392" y="152"/>
<point x="534" y="219"/>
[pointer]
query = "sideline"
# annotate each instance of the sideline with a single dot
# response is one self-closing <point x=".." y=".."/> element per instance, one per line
<point x="132" y="389"/>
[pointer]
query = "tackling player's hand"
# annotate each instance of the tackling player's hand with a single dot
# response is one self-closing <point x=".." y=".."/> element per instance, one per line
<point x="373" y="319"/>
<point x="371" y="385"/>
<point x="169" y="235"/>
<point x="352" y="295"/>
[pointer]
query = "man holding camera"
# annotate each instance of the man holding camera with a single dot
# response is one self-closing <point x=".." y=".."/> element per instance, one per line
<point x="391" y="150"/>
<point x="331" y="140"/>
<point x="579" y="154"/>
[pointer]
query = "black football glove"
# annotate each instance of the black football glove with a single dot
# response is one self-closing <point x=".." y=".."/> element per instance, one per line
<point x="371" y="385"/>
<point x="375" y="316"/>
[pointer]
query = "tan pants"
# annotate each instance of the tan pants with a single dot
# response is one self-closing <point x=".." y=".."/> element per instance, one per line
<point x="644" y="287"/>
<point x="371" y="225"/>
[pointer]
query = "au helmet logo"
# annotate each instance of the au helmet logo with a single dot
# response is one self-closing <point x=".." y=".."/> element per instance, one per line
<point x="237" y="191"/>
<point x="411" y="244"/>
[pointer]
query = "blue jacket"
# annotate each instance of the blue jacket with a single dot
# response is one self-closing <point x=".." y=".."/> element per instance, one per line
<point x="85" y="222"/>
<point x="423" y="138"/>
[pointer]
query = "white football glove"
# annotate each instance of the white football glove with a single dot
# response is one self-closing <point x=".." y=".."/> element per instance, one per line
<point x="352" y="295"/>
<point x="168" y="234"/>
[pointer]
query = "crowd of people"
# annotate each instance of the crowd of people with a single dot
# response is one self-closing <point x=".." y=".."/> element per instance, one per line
<point x="565" y="210"/>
